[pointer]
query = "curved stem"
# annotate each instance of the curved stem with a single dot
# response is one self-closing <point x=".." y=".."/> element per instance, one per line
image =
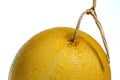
<point x="93" y="13"/>
<point x="78" y="25"/>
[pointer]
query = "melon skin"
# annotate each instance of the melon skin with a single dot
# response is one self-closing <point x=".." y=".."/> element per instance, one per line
<point x="50" y="55"/>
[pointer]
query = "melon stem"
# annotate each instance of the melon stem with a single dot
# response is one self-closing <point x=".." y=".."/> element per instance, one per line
<point x="92" y="12"/>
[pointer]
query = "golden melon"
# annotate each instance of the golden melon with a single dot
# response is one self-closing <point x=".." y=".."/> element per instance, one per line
<point x="51" y="55"/>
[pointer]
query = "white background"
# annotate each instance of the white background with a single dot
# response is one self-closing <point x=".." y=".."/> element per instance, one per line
<point x="21" y="19"/>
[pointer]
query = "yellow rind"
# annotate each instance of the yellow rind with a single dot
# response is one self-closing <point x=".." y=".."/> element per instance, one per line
<point x="49" y="55"/>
